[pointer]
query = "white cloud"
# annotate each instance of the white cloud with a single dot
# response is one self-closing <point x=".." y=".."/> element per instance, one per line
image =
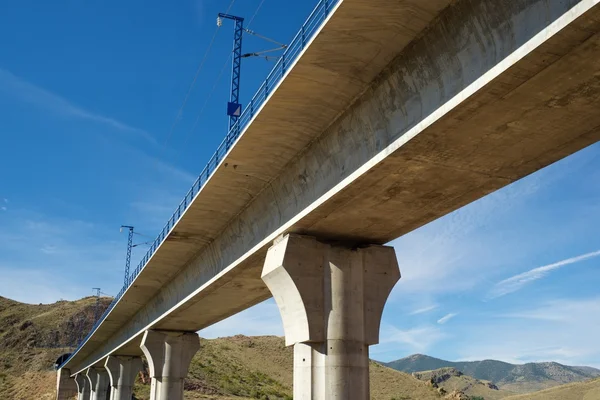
<point x="49" y="101"/>
<point x="5" y="200"/>
<point x="172" y="172"/>
<point x="517" y="282"/>
<point x="469" y="248"/>
<point x="396" y="343"/>
<point x="3" y="208"/>
<point x="49" y="249"/>
<point x="561" y="330"/>
<point x="451" y="254"/>
<point x="155" y="197"/>
<point x="43" y="259"/>
<point x="424" y="310"/>
<point x="446" y="318"/>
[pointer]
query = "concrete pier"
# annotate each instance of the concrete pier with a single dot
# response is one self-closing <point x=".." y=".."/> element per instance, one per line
<point x="99" y="383"/>
<point x="121" y="373"/>
<point x="169" y="355"/>
<point x="396" y="114"/>
<point x="83" y="387"/>
<point x="331" y="299"/>
<point x="66" y="387"/>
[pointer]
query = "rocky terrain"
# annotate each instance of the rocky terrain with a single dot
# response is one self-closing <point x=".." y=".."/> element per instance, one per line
<point x="32" y="337"/>
<point x="451" y="380"/>
<point x="588" y="390"/>
<point x="523" y="378"/>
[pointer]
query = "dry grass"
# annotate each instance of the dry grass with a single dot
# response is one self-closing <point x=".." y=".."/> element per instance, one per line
<point x="238" y="367"/>
<point x="387" y="384"/>
<point x="259" y="366"/>
<point x="30" y="385"/>
<point x="451" y="379"/>
<point x="588" y="390"/>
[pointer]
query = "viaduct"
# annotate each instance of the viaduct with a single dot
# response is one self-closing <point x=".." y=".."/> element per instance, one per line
<point x="382" y="115"/>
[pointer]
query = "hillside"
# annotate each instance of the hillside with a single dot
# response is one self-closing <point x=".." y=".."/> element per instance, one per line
<point x="451" y="379"/>
<point x="240" y="367"/>
<point x="261" y="367"/>
<point x="588" y="390"/>
<point x="33" y="336"/>
<point x="31" y="339"/>
<point x="523" y="378"/>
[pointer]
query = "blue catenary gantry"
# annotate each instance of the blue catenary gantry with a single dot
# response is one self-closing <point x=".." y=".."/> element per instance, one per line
<point x="129" y="246"/>
<point x="234" y="108"/>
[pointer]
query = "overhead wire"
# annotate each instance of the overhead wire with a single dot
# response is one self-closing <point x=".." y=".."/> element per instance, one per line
<point x="187" y="136"/>
<point x="191" y="87"/>
<point x="264" y="37"/>
<point x="218" y="79"/>
<point x="142" y="244"/>
<point x="255" y="13"/>
<point x="141" y="234"/>
<point x="186" y="98"/>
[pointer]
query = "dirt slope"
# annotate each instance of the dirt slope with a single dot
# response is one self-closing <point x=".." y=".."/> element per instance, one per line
<point x="32" y="337"/>
<point x="589" y="390"/>
<point x="517" y="378"/>
<point x="451" y="379"/>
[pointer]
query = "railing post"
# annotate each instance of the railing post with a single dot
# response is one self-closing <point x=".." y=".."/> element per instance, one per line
<point x="308" y="28"/>
<point x="303" y="36"/>
<point x="266" y="88"/>
<point x="283" y="64"/>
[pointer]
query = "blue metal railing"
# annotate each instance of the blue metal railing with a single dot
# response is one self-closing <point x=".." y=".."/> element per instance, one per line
<point x="289" y="56"/>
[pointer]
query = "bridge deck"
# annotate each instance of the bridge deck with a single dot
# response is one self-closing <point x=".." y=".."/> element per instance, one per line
<point x="359" y="39"/>
<point x="534" y="107"/>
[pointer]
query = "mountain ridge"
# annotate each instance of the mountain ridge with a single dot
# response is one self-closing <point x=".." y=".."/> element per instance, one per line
<point x="450" y="379"/>
<point x="238" y="367"/>
<point x="520" y="378"/>
<point x="33" y="336"/>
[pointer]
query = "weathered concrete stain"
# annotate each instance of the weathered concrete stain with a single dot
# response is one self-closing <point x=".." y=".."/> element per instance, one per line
<point x="362" y="181"/>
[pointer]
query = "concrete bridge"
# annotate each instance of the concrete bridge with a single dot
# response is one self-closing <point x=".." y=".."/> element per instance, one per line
<point x="389" y="114"/>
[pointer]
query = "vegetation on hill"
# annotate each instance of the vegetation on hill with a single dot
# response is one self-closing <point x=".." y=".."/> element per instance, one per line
<point x="510" y="377"/>
<point x="451" y="379"/>
<point x="260" y="367"/>
<point x="588" y="390"/>
<point x="32" y="337"/>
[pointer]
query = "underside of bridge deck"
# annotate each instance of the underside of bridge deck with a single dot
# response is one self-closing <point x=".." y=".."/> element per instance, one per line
<point x="397" y="114"/>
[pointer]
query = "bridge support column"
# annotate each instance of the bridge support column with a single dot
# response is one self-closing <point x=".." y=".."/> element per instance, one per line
<point x="66" y="387"/>
<point x="121" y="373"/>
<point x="331" y="299"/>
<point x="83" y="387"/>
<point x="169" y="355"/>
<point x="99" y="383"/>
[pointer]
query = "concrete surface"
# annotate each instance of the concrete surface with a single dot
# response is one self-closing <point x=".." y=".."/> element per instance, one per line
<point x="83" y="387"/>
<point x="357" y="149"/>
<point x="331" y="299"/>
<point x="99" y="383"/>
<point x="66" y="387"/>
<point x="169" y="355"/>
<point x="122" y="372"/>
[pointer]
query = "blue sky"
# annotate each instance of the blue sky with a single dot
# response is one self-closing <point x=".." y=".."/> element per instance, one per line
<point x="88" y="96"/>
